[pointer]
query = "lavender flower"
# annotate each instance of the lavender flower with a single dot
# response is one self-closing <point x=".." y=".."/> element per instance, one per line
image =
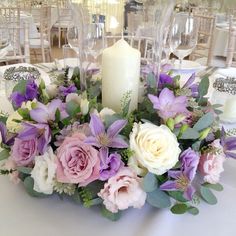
<point x="183" y="177"/>
<point x="46" y="113"/>
<point x="228" y="144"/>
<point x="41" y="132"/>
<point x="31" y="92"/>
<point x="103" y="138"/>
<point x="165" y="79"/>
<point x="168" y="105"/>
<point x="192" y="86"/>
<point x="4" y="137"/>
<point x="110" y="164"/>
<point x="67" y="90"/>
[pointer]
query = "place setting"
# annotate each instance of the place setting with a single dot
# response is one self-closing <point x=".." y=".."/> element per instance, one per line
<point x="115" y="110"/>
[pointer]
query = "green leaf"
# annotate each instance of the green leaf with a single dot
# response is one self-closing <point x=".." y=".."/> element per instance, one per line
<point x="42" y="85"/>
<point x="24" y="170"/>
<point x="72" y="108"/>
<point x="179" y="208"/>
<point x="193" y="210"/>
<point x="4" y="154"/>
<point x="158" y="199"/>
<point x="204" y="122"/>
<point x="218" y="187"/>
<point x="190" y="134"/>
<point x="151" y="80"/>
<point x="203" y="87"/>
<point x="109" y="215"/>
<point x="149" y="183"/>
<point x="20" y="87"/>
<point x="57" y="116"/>
<point x="76" y="197"/>
<point x="29" y="186"/>
<point x="196" y="146"/>
<point x="177" y="195"/>
<point x="24" y="113"/>
<point x="208" y="196"/>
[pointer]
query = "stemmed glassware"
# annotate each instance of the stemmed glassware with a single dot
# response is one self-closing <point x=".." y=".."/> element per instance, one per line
<point x="4" y="38"/>
<point x="184" y="35"/>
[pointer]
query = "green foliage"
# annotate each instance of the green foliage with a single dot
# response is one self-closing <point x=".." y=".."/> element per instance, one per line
<point x="179" y="208"/>
<point x="29" y="186"/>
<point x="76" y="196"/>
<point x="149" y="183"/>
<point x="125" y="103"/>
<point x="151" y="81"/>
<point x="217" y="187"/>
<point x="177" y="195"/>
<point x="207" y="195"/>
<point x="24" y="170"/>
<point x="203" y="87"/>
<point x="4" y="154"/>
<point x="6" y="172"/>
<point x="72" y="108"/>
<point x="20" y="87"/>
<point x="3" y="117"/>
<point x="158" y="199"/>
<point x="190" y="133"/>
<point x="193" y="210"/>
<point x="109" y="215"/>
<point x="204" y="122"/>
<point x="126" y="154"/>
<point x="24" y="113"/>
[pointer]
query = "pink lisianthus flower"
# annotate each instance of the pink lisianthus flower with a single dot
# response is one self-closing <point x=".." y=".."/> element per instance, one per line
<point x="77" y="162"/>
<point x="122" y="191"/>
<point x="211" y="163"/>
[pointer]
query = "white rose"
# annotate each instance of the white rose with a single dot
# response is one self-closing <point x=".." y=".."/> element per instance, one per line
<point x="80" y="100"/>
<point x="11" y="124"/>
<point x="52" y="90"/>
<point x="155" y="148"/>
<point x="44" y="172"/>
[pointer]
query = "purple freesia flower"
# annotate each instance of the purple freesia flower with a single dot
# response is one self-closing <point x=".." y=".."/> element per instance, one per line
<point x="103" y="138"/>
<point x="4" y="136"/>
<point x="168" y="105"/>
<point x="67" y="90"/>
<point x="46" y="113"/>
<point x="31" y="92"/>
<point x="165" y="79"/>
<point x="228" y="144"/>
<point x="110" y="164"/>
<point x="183" y="177"/>
<point x="41" y="132"/>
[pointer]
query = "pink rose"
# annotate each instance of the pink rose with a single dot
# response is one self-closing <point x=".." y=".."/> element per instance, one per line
<point x="122" y="191"/>
<point x="24" y="151"/>
<point x="77" y="162"/>
<point x="211" y="164"/>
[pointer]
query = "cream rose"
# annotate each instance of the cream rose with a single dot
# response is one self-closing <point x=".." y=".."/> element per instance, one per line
<point x="11" y="124"/>
<point x="156" y="148"/>
<point x="44" y="172"/>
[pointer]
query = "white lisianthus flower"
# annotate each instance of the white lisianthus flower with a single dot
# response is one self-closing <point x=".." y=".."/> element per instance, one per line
<point x="155" y="148"/>
<point x="80" y="100"/>
<point x="11" y="124"/>
<point x="106" y="112"/>
<point x="52" y="90"/>
<point x="44" y="172"/>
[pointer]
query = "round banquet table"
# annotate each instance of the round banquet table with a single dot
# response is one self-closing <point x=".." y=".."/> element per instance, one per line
<point x="22" y="215"/>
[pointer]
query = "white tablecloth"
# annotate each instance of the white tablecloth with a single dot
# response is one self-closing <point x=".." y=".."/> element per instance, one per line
<point x="22" y="215"/>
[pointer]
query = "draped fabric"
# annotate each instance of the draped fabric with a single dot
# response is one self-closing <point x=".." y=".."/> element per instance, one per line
<point x="113" y="10"/>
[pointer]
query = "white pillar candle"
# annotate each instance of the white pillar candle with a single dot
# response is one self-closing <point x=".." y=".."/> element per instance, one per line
<point x="120" y="75"/>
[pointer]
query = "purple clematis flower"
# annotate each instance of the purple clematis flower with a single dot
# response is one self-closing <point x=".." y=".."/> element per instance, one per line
<point x="41" y="132"/>
<point x="183" y="177"/>
<point x="46" y="113"/>
<point x="110" y="164"/>
<point x="168" y="105"/>
<point x="103" y="138"/>
<point x="67" y="90"/>
<point x="4" y="136"/>
<point x="228" y="144"/>
<point x="31" y="92"/>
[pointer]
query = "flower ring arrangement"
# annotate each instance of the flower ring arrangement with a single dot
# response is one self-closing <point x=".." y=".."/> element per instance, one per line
<point x="168" y="153"/>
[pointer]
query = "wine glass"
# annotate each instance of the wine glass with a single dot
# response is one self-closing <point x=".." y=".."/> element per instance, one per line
<point x="4" y="38"/>
<point x="94" y="40"/>
<point x="184" y="35"/>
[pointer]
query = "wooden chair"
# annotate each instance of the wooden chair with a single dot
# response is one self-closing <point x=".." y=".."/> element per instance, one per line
<point x="42" y="44"/>
<point x="231" y="51"/>
<point x="64" y="18"/>
<point x="18" y="48"/>
<point x="204" y="48"/>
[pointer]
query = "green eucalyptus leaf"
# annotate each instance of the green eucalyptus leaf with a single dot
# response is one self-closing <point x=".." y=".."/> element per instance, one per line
<point x="109" y="215"/>
<point x="4" y="154"/>
<point x="196" y="146"/>
<point x="179" y="208"/>
<point x="29" y="186"/>
<point x="24" y="170"/>
<point x="76" y="197"/>
<point x="207" y="195"/>
<point x="190" y="134"/>
<point x="72" y="108"/>
<point x="149" y="183"/>
<point x="158" y="199"/>
<point x="204" y="122"/>
<point x="217" y="187"/>
<point x="203" y="87"/>
<point x="177" y="195"/>
<point x="151" y="80"/>
<point x="20" y="87"/>
<point x="193" y="210"/>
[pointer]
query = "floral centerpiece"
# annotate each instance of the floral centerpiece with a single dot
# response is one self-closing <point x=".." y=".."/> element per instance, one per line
<point x="168" y="153"/>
